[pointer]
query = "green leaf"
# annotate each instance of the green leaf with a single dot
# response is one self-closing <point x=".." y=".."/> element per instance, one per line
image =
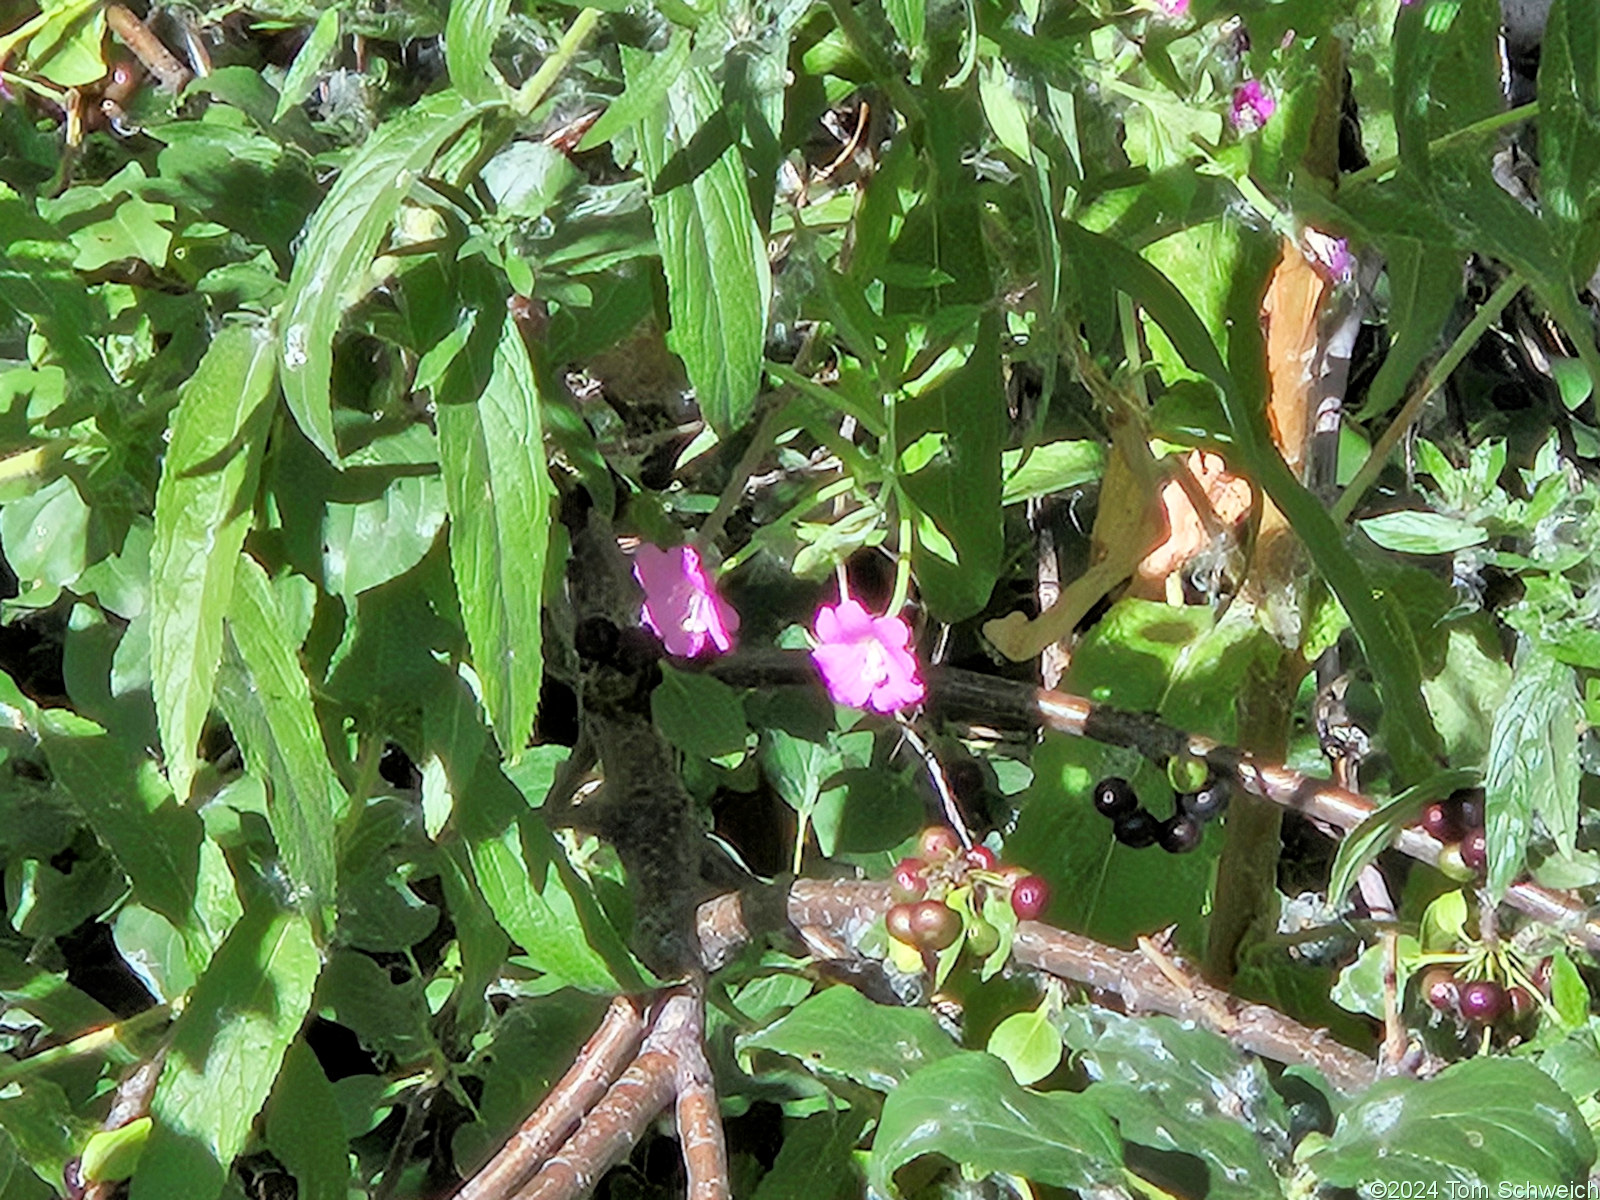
<point x="1569" y="133"/>
<point x="266" y="698"/>
<point x="910" y="19"/>
<point x="388" y="1014"/>
<point x="645" y="92"/>
<point x="340" y="241"/>
<point x="1534" y="768"/>
<point x="308" y="63"/>
<point x="1412" y="532"/>
<point x="17" y="1182"/>
<point x="225" y="1053"/>
<point x="840" y="1033"/>
<point x="113" y="1154"/>
<point x="961" y="490"/>
<point x="1477" y="1124"/>
<point x="1007" y="117"/>
<point x="1029" y="1043"/>
<point x="719" y="283"/>
<point x="203" y="510"/>
<point x="698" y="714"/>
<point x="969" y="1109"/>
<point x="130" y="809"/>
<point x="1051" y="468"/>
<point x="45" y="535"/>
<point x="817" y="1161"/>
<point x="371" y="541"/>
<point x="1424" y="284"/>
<point x="1367" y="840"/>
<point x="469" y="36"/>
<point x="135" y="230"/>
<point x="492" y="454"/>
<point x="304" y="1129"/>
<point x="1176" y="1087"/>
<point x="519" y="867"/>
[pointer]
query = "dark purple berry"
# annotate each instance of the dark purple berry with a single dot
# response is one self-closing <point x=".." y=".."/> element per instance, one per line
<point x="1484" y="1002"/>
<point x="1475" y="851"/>
<point x="1180" y="834"/>
<point x="900" y="923"/>
<point x="1206" y="803"/>
<point x="1441" y="820"/>
<point x="1469" y="805"/>
<point x="1114" y="797"/>
<point x="1029" y="895"/>
<point x="1136" y="829"/>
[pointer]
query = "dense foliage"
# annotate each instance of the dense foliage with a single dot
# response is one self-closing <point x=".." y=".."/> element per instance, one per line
<point x="424" y="423"/>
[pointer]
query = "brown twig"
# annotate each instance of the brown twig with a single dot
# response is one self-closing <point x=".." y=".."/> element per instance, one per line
<point x="847" y="908"/>
<point x="705" y="1154"/>
<point x="612" y="1127"/>
<point x="1001" y="702"/>
<point x="598" y="1064"/>
<point x="150" y="49"/>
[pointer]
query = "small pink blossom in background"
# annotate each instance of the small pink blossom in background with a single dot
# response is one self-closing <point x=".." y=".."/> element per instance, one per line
<point x="1173" y="8"/>
<point x="681" y="604"/>
<point x="1252" y="106"/>
<point x="1330" y="253"/>
<point x="866" y="661"/>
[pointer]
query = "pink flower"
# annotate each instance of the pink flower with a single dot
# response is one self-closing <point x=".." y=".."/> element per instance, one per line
<point x="1173" y="8"/>
<point x="1252" y="106"/>
<point x="865" y="660"/>
<point x="680" y="602"/>
<point x="1330" y="253"/>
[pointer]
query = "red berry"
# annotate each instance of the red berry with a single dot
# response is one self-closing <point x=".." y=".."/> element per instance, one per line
<point x="940" y="841"/>
<point x="1440" y="820"/>
<point x="1475" y="850"/>
<point x="1029" y="895"/>
<point x="901" y="924"/>
<point x="934" y="925"/>
<point x="982" y="858"/>
<point x="908" y="882"/>
<point x="1440" y="990"/>
<point x="1114" y="796"/>
<point x="1484" y="1002"/>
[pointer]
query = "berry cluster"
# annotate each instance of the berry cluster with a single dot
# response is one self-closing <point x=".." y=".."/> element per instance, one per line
<point x="1201" y="796"/>
<point x="1484" y="1002"/>
<point x="921" y="918"/>
<point x="1458" y="823"/>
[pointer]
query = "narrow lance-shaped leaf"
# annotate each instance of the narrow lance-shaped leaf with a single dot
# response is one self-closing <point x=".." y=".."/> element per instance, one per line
<point x="303" y="72"/>
<point x="225" y="1054"/>
<point x="491" y="453"/>
<point x="266" y="698"/>
<point x="343" y="235"/>
<point x="719" y="283"/>
<point x="469" y="35"/>
<point x="1534" y="765"/>
<point x="304" y="1128"/>
<point x="202" y="514"/>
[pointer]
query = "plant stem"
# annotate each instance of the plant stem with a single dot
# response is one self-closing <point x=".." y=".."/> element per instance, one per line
<point x="1489" y="124"/>
<point x="96" y="1041"/>
<point x="1412" y="409"/>
<point x="902" y="566"/>
<point x="531" y="93"/>
<point x="766" y="434"/>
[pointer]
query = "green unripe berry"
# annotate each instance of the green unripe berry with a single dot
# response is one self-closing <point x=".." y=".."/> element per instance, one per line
<point x="1187" y="773"/>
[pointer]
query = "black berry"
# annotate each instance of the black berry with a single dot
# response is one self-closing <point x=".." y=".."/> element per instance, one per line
<point x="1114" y="797"/>
<point x="1470" y="805"/>
<point x="1136" y="829"/>
<point x="1180" y="834"/>
<point x="1208" y="802"/>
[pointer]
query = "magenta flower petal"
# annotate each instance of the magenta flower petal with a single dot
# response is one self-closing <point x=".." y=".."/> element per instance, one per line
<point x="1252" y="106"/>
<point x="681" y="605"/>
<point x="1173" y="8"/>
<point x="865" y="660"/>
